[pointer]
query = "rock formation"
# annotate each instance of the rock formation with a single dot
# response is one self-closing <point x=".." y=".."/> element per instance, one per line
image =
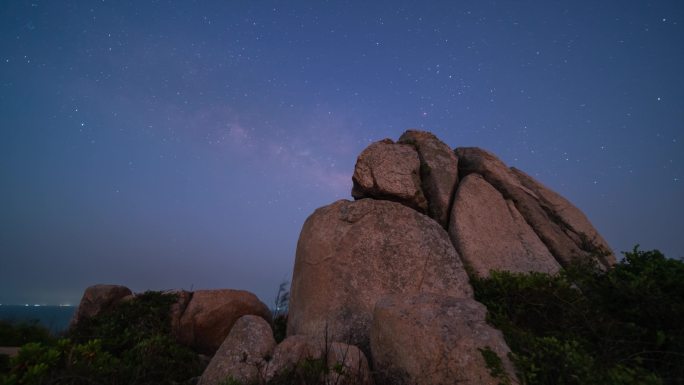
<point x="350" y="254"/>
<point x="491" y="233"/>
<point x="562" y="227"/>
<point x="438" y="172"/>
<point x="426" y="338"/>
<point x="381" y="273"/>
<point x="210" y="315"/>
<point x="350" y="362"/>
<point x="390" y="171"/>
<point x="200" y="320"/>
<point x="99" y="298"/>
<point x="243" y="354"/>
<point x="384" y="276"/>
<point x="249" y="355"/>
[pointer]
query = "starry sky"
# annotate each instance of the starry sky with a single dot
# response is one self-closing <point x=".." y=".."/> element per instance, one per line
<point x="169" y="144"/>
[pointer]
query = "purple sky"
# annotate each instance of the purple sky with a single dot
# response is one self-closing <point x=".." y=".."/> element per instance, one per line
<point x="183" y="144"/>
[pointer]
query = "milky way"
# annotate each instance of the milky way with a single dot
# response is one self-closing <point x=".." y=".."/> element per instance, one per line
<point x="182" y="145"/>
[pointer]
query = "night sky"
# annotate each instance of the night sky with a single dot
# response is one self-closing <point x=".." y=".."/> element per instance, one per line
<point x="183" y="144"/>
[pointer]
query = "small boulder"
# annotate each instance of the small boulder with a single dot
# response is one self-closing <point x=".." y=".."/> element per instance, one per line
<point x="350" y="254"/>
<point x="430" y="339"/>
<point x="438" y="172"/>
<point x="243" y="356"/>
<point x="490" y="234"/>
<point x="390" y="171"/>
<point x="344" y="364"/>
<point x="210" y="315"/>
<point x="99" y="298"/>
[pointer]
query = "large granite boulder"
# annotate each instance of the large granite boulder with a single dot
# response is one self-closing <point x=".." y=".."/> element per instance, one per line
<point x="438" y="172"/>
<point x="210" y="315"/>
<point x="390" y="171"/>
<point x="558" y="230"/>
<point x="99" y="298"/>
<point x="490" y="234"/>
<point x="346" y="364"/>
<point x="350" y="254"/>
<point x="431" y="339"/>
<point x="243" y="354"/>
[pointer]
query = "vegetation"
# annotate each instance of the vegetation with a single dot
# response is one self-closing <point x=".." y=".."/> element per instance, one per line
<point x="281" y="303"/>
<point x="20" y="333"/>
<point x="130" y="345"/>
<point x="587" y="325"/>
<point x="495" y="365"/>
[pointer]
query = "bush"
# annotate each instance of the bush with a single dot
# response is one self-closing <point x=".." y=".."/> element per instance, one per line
<point x="20" y="333"/>
<point x="592" y="326"/>
<point x="130" y="345"/>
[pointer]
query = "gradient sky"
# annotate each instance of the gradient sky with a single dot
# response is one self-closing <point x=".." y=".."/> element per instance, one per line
<point x="162" y="144"/>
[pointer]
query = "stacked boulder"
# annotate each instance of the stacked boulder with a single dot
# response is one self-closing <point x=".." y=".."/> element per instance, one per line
<point x="387" y="272"/>
<point x="381" y="282"/>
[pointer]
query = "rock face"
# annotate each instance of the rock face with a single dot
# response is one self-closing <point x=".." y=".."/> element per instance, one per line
<point x="351" y="363"/>
<point x="573" y="221"/>
<point x="177" y="309"/>
<point x="353" y="257"/>
<point x="555" y="228"/>
<point x="350" y="254"/>
<point x="99" y="298"/>
<point x="210" y="315"/>
<point x="249" y="355"/>
<point x="429" y="339"/>
<point x="391" y="171"/>
<point x="243" y="354"/>
<point x="438" y="172"/>
<point x="490" y="234"/>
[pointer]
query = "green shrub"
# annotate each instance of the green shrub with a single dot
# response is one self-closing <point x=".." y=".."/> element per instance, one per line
<point x="20" y="333"/>
<point x="132" y="344"/>
<point x="592" y="326"/>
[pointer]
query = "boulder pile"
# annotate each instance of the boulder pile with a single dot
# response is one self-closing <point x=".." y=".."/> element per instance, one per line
<point x="387" y="272"/>
<point x="380" y="291"/>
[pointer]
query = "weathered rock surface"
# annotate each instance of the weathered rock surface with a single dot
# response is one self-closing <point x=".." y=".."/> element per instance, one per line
<point x="99" y="298"/>
<point x="178" y="308"/>
<point x="290" y="354"/>
<point x="243" y="354"/>
<point x="430" y="339"/>
<point x="563" y="241"/>
<point x="438" y="172"/>
<point x="390" y="171"/>
<point x="350" y="254"/>
<point x="490" y="234"/>
<point x="210" y="315"/>
<point x="576" y="223"/>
